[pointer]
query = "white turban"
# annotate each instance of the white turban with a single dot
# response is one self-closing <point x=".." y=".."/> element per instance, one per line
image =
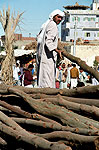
<point x="56" y="12"/>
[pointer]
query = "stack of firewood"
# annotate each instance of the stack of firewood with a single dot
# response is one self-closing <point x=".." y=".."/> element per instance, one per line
<point x="49" y="119"/>
<point x="32" y="45"/>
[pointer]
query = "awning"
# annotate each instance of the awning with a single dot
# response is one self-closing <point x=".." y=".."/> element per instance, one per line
<point x="19" y="52"/>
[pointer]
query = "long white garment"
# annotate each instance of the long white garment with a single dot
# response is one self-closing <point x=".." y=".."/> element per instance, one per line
<point x="29" y="86"/>
<point x="47" y="66"/>
<point x="46" y="54"/>
<point x="83" y="77"/>
<point x="15" y="73"/>
<point x="73" y="83"/>
<point x="68" y="79"/>
<point x="94" y="81"/>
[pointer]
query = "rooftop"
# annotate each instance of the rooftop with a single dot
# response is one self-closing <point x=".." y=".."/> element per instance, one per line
<point x="77" y="7"/>
<point x="84" y="12"/>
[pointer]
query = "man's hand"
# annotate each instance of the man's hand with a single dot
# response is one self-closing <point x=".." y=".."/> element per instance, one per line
<point x="59" y="52"/>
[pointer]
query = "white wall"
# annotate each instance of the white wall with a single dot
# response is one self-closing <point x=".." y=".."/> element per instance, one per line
<point x="95" y="6"/>
<point x="86" y="53"/>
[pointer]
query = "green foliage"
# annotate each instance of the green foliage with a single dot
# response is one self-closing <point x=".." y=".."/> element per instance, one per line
<point x="15" y="47"/>
<point x="95" y="63"/>
<point x="2" y="48"/>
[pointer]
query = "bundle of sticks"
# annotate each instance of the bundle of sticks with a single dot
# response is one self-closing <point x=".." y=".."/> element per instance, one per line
<point x="49" y="119"/>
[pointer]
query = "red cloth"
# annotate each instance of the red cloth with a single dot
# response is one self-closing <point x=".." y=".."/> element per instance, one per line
<point x="28" y="78"/>
<point x="57" y="84"/>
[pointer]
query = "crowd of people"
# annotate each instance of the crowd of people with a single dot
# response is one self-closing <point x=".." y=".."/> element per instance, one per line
<point x="67" y="76"/>
<point x="70" y="76"/>
<point x="24" y="75"/>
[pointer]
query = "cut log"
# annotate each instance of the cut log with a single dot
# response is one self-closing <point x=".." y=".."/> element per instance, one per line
<point x="4" y="118"/>
<point x="48" y="91"/>
<point x="90" y="110"/>
<point x="56" y="126"/>
<point x="34" y="140"/>
<point x="86" y="91"/>
<point x="45" y="119"/>
<point x="97" y="143"/>
<point x="86" y="101"/>
<point x="69" y="136"/>
<point x="16" y="109"/>
<point x="2" y="142"/>
<point x="90" y="102"/>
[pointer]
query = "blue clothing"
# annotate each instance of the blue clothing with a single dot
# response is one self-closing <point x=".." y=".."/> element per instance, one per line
<point x="32" y="71"/>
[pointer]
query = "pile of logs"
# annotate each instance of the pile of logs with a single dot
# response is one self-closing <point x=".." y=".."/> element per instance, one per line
<point x="32" y="45"/>
<point x="49" y="119"/>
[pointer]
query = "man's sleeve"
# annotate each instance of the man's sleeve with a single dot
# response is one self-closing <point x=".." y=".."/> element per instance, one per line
<point x="51" y="37"/>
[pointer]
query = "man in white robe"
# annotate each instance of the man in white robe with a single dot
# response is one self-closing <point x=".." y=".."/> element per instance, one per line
<point x="47" y="51"/>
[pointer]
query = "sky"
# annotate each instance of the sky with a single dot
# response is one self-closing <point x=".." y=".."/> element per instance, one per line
<point x="36" y="12"/>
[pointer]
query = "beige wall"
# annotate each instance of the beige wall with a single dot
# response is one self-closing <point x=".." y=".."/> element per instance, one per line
<point x="86" y="53"/>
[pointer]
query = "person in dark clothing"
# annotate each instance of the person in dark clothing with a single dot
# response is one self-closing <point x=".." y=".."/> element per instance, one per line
<point x="28" y="78"/>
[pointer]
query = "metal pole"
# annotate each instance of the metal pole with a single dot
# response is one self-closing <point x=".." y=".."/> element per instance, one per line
<point x="75" y="28"/>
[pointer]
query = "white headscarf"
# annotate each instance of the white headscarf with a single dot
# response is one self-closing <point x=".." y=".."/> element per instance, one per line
<point x="43" y="27"/>
<point x="56" y="12"/>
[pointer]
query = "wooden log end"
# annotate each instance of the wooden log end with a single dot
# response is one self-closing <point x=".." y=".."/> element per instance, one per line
<point x="97" y="143"/>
